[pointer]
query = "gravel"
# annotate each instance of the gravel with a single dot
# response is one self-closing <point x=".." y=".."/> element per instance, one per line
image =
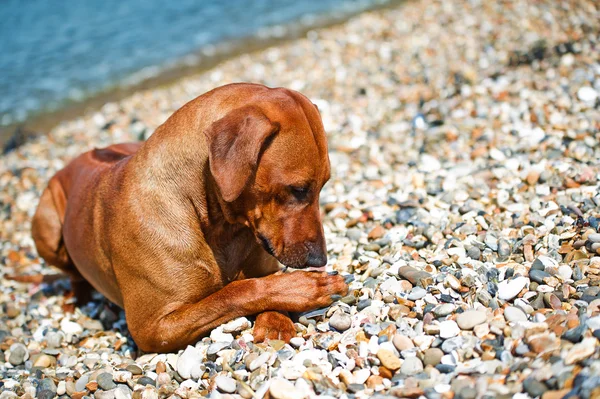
<point x="463" y="205"/>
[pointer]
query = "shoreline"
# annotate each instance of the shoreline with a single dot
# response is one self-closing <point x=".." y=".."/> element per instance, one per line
<point x="463" y="208"/>
<point x="16" y="134"/>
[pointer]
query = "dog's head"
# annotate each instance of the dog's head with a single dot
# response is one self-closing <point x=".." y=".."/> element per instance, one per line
<point x="269" y="161"/>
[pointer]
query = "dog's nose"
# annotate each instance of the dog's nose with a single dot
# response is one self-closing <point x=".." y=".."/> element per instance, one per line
<point x="316" y="259"/>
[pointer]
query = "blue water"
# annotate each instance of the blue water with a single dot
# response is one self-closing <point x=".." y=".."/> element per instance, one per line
<point x="53" y="51"/>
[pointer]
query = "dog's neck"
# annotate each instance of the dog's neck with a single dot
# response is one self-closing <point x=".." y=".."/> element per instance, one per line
<point x="176" y="162"/>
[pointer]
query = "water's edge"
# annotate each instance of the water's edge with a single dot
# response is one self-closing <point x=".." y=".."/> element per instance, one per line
<point x="15" y="135"/>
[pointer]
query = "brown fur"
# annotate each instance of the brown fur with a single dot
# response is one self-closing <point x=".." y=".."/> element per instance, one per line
<point x="178" y="230"/>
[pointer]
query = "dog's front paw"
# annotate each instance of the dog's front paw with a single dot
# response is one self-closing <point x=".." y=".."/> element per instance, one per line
<point x="273" y="325"/>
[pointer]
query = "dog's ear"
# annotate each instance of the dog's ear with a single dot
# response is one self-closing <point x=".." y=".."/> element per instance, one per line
<point x="234" y="144"/>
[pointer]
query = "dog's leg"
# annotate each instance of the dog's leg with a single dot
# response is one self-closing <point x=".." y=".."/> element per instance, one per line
<point x="270" y="324"/>
<point x="46" y="229"/>
<point x="182" y="324"/>
<point x="273" y="325"/>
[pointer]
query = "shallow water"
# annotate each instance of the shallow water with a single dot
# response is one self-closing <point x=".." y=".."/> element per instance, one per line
<point x="53" y="51"/>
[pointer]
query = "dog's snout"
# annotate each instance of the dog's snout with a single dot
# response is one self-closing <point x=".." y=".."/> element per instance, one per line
<point x="317" y="257"/>
<point x="316" y="260"/>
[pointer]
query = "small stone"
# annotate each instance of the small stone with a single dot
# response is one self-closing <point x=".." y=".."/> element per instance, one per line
<point x="48" y="385"/>
<point x="587" y="94"/>
<point x="18" y="354"/>
<point x="552" y="301"/>
<point x="122" y="392"/>
<point x="45" y="394"/>
<point x="54" y="339"/>
<point x="594" y="237"/>
<point x="574" y="335"/>
<point x="376" y="233"/>
<point x="504" y="248"/>
<point x="474" y="252"/>
<point x="283" y="389"/>
<point x="340" y="321"/>
<point x="363" y="304"/>
<point x="43" y="361"/>
<point x="432" y="356"/>
<point x="388" y="359"/>
<point x="431" y="329"/>
<point x="135" y="369"/>
<point x="91" y="386"/>
<point x="61" y="388"/>
<point x="543" y="343"/>
<point x="70" y="387"/>
<point x="146" y="381"/>
<point x="225" y="384"/>
<point x="449" y="329"/>
<point x="581" y="351"/>
<point x="81" y="383"/>
<point x="402" y="342"/>
<point x="508" y="289"/>
<point x="453" y="282"/>
<point x="258" y="361"/>
<point x="513" y="314"/>
<point x="443" y="310"/>
<point x="70" y="327"/>
<point x="415" y="276"/>
<point x="162" y="379"/>
<point x="538" y="275"/>
<point x="149" y="393"/>
<point x="417" y="293"/>
<point x="105" y="394"/>
<point x="105" y="381"/>
<point x="471" y="318"/>
<point x="411" y="366"/>
<point x="122" y="375"/>
<point x="405" y="392"/>
<point x="187" y="361"/>
<point x="565" y="272"/>
<point x="236" y="325"/>
<point x="555" y="394"/>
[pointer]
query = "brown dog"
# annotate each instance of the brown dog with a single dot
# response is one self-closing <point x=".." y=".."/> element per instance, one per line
<point x="184" y="231"/>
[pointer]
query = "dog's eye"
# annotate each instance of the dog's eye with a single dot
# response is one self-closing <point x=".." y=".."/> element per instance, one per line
<point x="300" y="193"/>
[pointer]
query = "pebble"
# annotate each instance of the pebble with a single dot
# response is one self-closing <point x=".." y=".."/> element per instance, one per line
<point x="565" y="272"/>
<point x="538" y="275"/>
<point x="594" y="237"/>
<point x="282" y="389"/>
<point x="587" y="94"/>
<point x="225" y="384"/>
<point x="513" y="314"/>
<point x="105" y="381"/>
<point x="80" y="384"/>
<point x="474" y="253"/>
<point x="54" y="339"/>
<point x="444" y="310"/>
<point x="190" y="359"/>
<point x="47" y="384"/>
<point x="18" y="354"/>
<point x="462" y="209"/>
<point x="402" y="342"/>
<point x="417" y="293"/>
<point x="411" y="366"/>
<point x="508" y="289"/>
<point x="388" y="359"/>
<point x="581" y="351"/>
<point x="432" y="356"/>
<point x="470" y="319"/>
<point x="449" y="329"/>
<point x="146" y="381"/>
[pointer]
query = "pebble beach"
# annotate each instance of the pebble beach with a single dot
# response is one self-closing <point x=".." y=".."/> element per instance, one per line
<point x="464" y="207"/>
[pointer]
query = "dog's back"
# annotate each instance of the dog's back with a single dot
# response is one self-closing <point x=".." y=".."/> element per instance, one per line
<point x="47" y="223"/>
